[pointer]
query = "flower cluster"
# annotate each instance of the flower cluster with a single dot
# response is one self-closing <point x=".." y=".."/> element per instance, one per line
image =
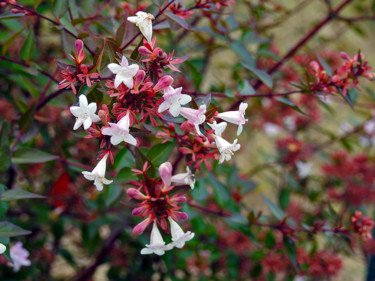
<point x="340" y="80"/>
<point x="141" y="91"/>
<point x="362" y="225"/>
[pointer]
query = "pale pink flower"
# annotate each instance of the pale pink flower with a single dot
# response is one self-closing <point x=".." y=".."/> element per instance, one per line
<point x="173" y="99"/>
<point x="19" y="256"/>
<point x="194" y="116"/>
<point x="120" y="131"/>
<point x="179" y="237"/>
<point x="98" y="174"/>
<point x="157" y="244"/>
<point x="235" y="117"/>
<point x="124" y="72"/>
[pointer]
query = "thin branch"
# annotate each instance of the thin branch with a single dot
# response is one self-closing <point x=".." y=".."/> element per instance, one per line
<point x="28" y="65"/>
<point x="57" y="23"/>
<point x="269" y="95"/>
<point x="208" y="210"/>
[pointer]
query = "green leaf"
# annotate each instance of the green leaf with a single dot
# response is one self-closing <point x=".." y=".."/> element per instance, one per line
<point x="3" y="205"/>
<point x="7" y="16"/>
<point x="27" y="118"/>
<point x="245" y="89"/>
<point x="10" y="40"/>
<point x="4" y="148"/>
<point x="325" y="65"/>
<point x="160" y="153"/>
<point x="239" y="49"/>
<point x="30" y="155"/>
<point x="8" y="229"/>
<point x="140" y="159"/>
<point x="290" y="249"/>
<point x="112" y="193"/>
<point x="221" y="192"/>
<point x="290" y="104"/>
<point x="270" y="240"/>
<point x="275" y="210"/>
<point x="180" y="21"/>
<point x="28" y="47"/>
<point x="16" y="194"/>
<point x="59" y="8"/>
<point x="262" y="75"/>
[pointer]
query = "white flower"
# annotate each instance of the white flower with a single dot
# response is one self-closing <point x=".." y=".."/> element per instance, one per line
<point x="2" y="248"/>
<point x="304" y="169"/>
<point x="144" y="22"/>
<point x="345" y="128"/>
<point x="235" y="117"/>
<point x="157" y="244"/>
<point x="219" y="128"/>
<point x="85" y="113"/>
<point x="299" y="278"/>
<point x="369" y="127"/>
<point x="184" y="178"/>
<point x="194" y="116"/>
<point x="179" y="237"/>
<point x="124" y="72"/>
<point x="120" y="131"/>
<point x="290" y="122"/>
<point x="173" y="99"/>
<point x="97" y="175"/>
<point x="19" y="256"/>
<point x="271" y="129"/>
<point x="226" y="149"/>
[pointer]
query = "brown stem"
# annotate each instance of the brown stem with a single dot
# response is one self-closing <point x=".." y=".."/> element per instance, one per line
<point x="269" y="95"/>
<point x="332" y="15"/>
<point x="208" y="210"/>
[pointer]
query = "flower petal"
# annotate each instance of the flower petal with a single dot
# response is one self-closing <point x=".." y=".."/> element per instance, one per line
<point x="114" y="67"/>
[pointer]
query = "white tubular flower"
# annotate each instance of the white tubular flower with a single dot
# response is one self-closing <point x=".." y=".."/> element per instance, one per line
<point x="19" y="256"/>
<point x="235" y="117"/>
<point x="184" y="178"/>
<point x="144" y="22"/>
<point x="179" y="237"/>
<point x="124" y="72"/>
<point x="271" y="129"/>
<point x="173" y="99"/>
<point x="219" y="128"/>
<point x="157" y="244"/>
<point x="304" y="169"/>
<point x="2" y="249"/>
<point x="226" y="149"/>
<point x="85" y="113"/>
<point x="194" y="116"/>
<point x="98" y="174"/>
<point x="120" y="131"/>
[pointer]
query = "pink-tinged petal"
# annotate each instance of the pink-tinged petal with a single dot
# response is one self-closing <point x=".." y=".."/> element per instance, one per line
<point x="165" y="171"/>
<point x="115" y="140"/>
<point x="163" y="83"/>
<point x="128" y="81"/>
<point x="77" y="124"/>
<point x="185" y="99"/>
<point x="130" y="139"/>
<point x="136" y="194"/>
<point x="118" y="80"/>
<point x="141" y="227"/>
<point x="133" y="69"/>
<point x="83" y="101"/>
<point x="174" y="109"/>
<point x="108" y="131"/>
<point x="124" y="123"/>
<point x="124" y="61"/>
<point x="75" y="110"/>
<point x="114" y="67"/>
<point x="163" y="106"/>
<point x="92" y="107"/>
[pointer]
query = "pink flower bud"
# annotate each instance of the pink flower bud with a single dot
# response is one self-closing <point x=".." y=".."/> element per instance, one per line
<point x="144" y="51"/>
<point x="314" y="65"/>
<point x="139" y="77"/>
<point x="138" y="211"/>
<point x="181" y="215"/>
<point x="335" y="78"/>
<point x="80" y="54"/>
<point x="163" y="83"/>
<point x="136" y="194"/>
<point x="165" y="171"/>
<point x="141" y="227"/>
<point x="344" y="56"/>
